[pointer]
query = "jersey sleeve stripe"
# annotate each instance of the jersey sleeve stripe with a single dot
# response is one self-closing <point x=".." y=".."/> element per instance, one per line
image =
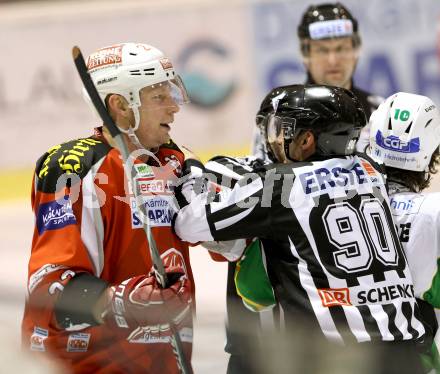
<point x="219" y="225"/>
<point x="193" y="216"/>
<point x="216" y="167"/>
<point x="239" y="194"/>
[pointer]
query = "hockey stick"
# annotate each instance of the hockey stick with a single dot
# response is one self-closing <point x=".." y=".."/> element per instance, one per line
<point x="116" y="134"/>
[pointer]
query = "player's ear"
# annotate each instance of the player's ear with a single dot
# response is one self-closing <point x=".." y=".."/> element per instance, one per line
<point x="117" y="103"/>
<point x="308" y="140"/>
<point x="120" y="111"/>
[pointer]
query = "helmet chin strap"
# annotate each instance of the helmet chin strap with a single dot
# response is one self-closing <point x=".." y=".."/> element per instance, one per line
<point x="131" y="130"/>
<point x="134" y="139"/>
<point x="137" y="116"/>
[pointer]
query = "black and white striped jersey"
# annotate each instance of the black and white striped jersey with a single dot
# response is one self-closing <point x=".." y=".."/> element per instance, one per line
<point x="332" y="250"/>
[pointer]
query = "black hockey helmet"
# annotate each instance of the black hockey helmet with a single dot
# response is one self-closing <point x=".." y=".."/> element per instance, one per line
<point x="325" y="21"/>
<point x="333" y="114"/>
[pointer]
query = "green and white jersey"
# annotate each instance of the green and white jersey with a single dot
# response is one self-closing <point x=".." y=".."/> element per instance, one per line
<point x="417" y="216"/>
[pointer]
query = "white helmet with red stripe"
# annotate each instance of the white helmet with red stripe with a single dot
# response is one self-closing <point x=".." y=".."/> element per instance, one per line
<point x="126" y="68"/>
<point x="405" y="131"/>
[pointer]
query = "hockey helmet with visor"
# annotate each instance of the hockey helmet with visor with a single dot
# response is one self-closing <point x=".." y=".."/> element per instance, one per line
<point x="333" y="114"/>
<point x="126" y="69"/>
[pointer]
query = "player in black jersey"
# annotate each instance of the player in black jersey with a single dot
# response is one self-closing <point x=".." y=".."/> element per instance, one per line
<point x="332" y="254"/>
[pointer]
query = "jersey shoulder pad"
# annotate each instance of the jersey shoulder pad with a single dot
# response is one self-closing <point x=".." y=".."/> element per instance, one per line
<point x="73" y="157"/>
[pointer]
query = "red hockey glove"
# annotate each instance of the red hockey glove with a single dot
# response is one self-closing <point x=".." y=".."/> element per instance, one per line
<point x="140" y="301"/>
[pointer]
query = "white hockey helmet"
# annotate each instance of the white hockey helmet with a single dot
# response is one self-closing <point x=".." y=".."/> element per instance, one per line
<point x="405" y="131"/>
<point x="126" y="68"/>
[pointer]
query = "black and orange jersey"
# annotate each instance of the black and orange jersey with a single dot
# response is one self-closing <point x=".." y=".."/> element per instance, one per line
<point x="86" y="220"/>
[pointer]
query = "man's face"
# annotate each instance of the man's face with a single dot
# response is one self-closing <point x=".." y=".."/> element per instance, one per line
<point x="332" y="61"/>
<point x="156" y="114"/>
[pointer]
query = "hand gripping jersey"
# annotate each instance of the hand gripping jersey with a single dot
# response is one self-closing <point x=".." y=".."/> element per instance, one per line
<point x="332" y="251"/>
<point x="91" y="226"/>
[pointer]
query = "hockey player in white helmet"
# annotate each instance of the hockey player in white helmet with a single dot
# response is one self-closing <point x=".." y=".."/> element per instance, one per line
<point x="139" y="86"/>
<point x="93" y="301"/>
<point x="405" y="136"/>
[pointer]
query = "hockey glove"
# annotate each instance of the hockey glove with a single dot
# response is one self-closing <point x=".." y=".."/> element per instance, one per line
<point x="140" y="301"/>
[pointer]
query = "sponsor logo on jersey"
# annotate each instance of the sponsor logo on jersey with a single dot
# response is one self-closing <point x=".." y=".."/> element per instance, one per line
<point x="38" y="276"/>
<point x="45" y="167"/>
<point x="154" y="186"/>
<point x="385" y="294"/>
<point x="393" y="143"/>
<point x="404" y="205"/>
<point x="78" y="342"/>
<point x="38" y="338"/>
<point x="144" y="170"/>
<point x="105" y="56"/>
<point x="54" y="215"/>
<point x="69" y="159"/>
<point x="158" y="209"/>
<point x="323" y="178"/>
<point x="334" y="297"/>
<point x="371" y="171"/>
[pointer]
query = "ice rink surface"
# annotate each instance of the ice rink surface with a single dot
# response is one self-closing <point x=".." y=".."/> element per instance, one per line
<point x="16" y="222"/>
